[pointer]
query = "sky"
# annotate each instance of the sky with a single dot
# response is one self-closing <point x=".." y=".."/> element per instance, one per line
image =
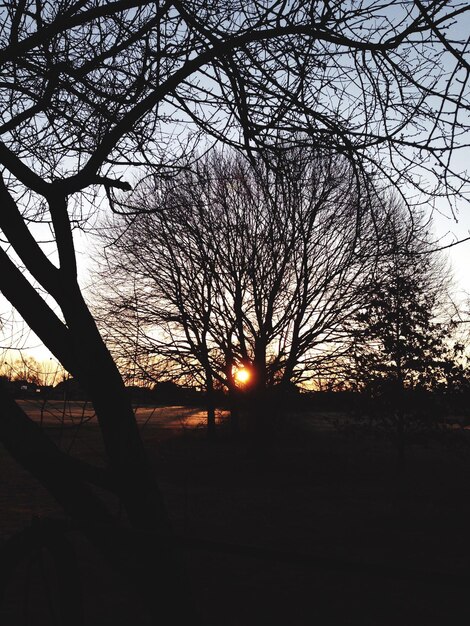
<point x="459" y="255"/>
<point x="447" y="229"/>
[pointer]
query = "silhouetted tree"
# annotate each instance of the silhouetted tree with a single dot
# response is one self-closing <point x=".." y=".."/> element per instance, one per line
<point x="27" y="368"/>
<point x="402" y="334"/>
<point x="90" y="88"/>
<point x="235" y="265"/>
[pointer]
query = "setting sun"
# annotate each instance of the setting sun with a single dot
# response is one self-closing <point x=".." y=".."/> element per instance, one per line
<point x="242" y="376"/>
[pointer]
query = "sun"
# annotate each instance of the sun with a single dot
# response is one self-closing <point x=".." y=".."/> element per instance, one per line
<point x="242" y="376"/>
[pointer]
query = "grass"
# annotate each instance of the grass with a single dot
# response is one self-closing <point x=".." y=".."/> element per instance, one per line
<point x="317" y="525"/>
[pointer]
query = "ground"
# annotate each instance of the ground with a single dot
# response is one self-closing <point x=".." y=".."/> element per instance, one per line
<point x="317" y="523"/>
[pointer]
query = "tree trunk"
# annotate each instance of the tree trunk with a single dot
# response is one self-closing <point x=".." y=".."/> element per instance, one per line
<point x="152" y="555"/>
<point x="211" y="431"/>
<point x="232" y="397"/>
<point x="98" y="374"/>
<point x="149" y="556"/>
<point x="260" y="409"/>
<point x="148" y="559"/>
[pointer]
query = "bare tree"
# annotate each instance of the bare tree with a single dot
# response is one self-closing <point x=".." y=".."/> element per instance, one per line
<point x="239" y="266"/>
<point x="91" y="88"/>
<point x="27" y="368"/>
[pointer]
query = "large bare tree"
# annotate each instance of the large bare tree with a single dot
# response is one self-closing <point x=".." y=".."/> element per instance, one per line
<point x="90" y="88"/>
<point x="240" y="265"/>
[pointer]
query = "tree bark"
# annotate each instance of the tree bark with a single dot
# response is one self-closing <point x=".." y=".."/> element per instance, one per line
<point x="152" y="563"/>
<point x="211" y="430"/>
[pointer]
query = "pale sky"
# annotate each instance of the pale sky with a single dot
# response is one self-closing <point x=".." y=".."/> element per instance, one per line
<point x="19" y="336"/>
<point x="445" y="226"/>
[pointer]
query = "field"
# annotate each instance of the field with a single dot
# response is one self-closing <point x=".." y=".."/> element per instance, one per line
<point x="315" y="525"/>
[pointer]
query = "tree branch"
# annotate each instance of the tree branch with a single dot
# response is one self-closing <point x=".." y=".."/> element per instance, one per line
<point x="24" y="244"/>
<point x="22" y="172"/>
<point x="36" y="313"/>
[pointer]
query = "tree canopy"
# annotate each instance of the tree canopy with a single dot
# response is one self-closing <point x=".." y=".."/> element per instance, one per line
<point x="403" y="333"/>
<point x="90" y="87"/>
<point x="238" y="265"/>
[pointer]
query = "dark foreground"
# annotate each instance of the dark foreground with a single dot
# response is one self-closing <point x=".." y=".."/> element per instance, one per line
<point x="312" y="525"/>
